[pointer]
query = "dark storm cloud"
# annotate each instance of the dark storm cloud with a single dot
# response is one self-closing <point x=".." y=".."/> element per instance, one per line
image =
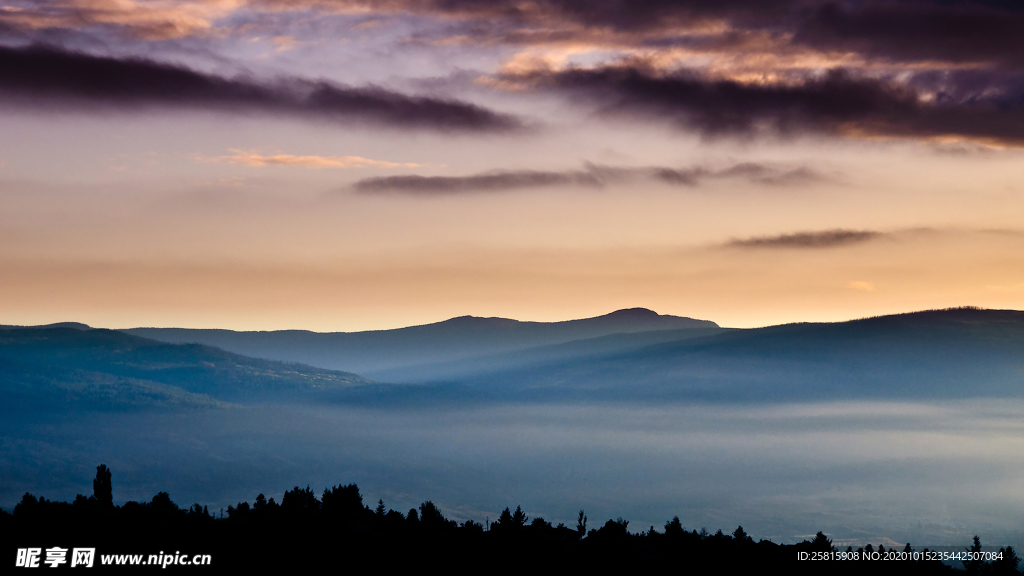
<point x="618" y="14"/>
<point x="908" y="30"/>
<point x="946" y="31"/>
<point x="824" y="239"/>
<point x="899" y="30"/>
<point x="903" y="30"/>
<point x="592" y="176"/>
<point x="50" y="77"/>
<point x="836" y="102"/>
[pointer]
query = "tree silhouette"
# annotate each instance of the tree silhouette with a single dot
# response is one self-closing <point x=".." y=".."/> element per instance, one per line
<point x="1007" y="564"/>
<point x="342" y="502"/>
<point x="519" y="518"/>
<point x="306" y="522"/>
<point x="741" y="536"/>
<point x="975" y="566"/>
<point x="431" y="518"/>
<point x="504" y="521"/>
<point x="613" y="530"/>
<point x="822" y="543"/>
<point x="162" y="505"/>
<point x="300" y="501"/>
<point x="102" y="489"/>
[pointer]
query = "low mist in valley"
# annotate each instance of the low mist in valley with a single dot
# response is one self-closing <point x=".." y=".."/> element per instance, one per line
<point x="929" y="473"/>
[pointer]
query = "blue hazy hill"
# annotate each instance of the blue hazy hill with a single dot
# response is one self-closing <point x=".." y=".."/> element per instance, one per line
<point x="417" y="352"/>
<point x="957" y="353"/>
<point x="927" y="355"/>
<point x="54" y="367"/>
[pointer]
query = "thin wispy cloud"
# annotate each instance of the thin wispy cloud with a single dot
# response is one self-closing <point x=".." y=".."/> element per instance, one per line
<point x="591" y="176"/>
<point x="861" y="286"/>
<point x="822" y="239"/>
<point x="750" y="171"/>
<point x="488" y="182"/>
<point x="149" y="20"/>
<point x="251" y="158"/>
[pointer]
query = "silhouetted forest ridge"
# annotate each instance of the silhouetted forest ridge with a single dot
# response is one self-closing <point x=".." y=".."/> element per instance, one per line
<point x="334" y="528"/>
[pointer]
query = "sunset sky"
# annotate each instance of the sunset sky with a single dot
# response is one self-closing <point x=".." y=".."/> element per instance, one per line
<point x="343" y="165"/>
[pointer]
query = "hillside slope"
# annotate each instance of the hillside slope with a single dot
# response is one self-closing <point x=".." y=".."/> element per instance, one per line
<point x="383" y="353"/>
<point x="41" y="367"/>
<point x="932" y="354"/>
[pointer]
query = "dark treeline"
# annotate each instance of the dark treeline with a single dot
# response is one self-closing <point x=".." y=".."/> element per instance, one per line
<point x="337" y="530"/>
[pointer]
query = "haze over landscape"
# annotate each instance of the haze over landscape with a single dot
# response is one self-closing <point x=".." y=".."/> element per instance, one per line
<point x="755" y="263"/>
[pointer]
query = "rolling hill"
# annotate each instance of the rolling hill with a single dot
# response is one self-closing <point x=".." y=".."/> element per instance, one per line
<point x="53" y="367"/>
<point x="410" y="353"/>
<point x="953" y="353"/>
<point x="941" y="354"/>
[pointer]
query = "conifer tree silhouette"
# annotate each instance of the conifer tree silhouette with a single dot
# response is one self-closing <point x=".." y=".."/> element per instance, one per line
<point x="1007" y="564"/>
<point x="519" y="518"/>
<point x="975" y="566"/>
<point x="102" y="489"/>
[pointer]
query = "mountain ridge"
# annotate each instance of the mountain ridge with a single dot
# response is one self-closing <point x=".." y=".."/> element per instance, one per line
<point x="930" y="354"/>
<point x="375" y="352"/>
<point x="50" y="368"/>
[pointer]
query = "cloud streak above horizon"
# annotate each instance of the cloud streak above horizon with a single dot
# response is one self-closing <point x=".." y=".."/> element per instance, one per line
<point x="254" y="159"/>
<point x="823" y="239"/>
<point x="592" y="176"/>
<point x="48" y="77"/>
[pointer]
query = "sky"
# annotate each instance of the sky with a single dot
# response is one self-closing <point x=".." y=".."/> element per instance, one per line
<point x="345" y="165"/>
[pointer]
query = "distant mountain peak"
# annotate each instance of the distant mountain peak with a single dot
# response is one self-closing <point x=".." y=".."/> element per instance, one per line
<point x="73" y="325"/>
<point x="633" y="313"/>
<point x="476" y="320"/>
